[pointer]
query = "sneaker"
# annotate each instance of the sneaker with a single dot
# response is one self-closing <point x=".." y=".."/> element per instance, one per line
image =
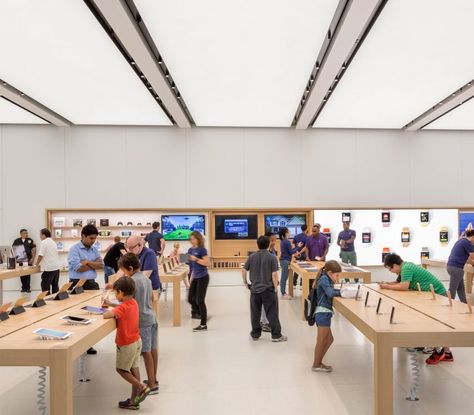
<point x="435" y="358"/>
<point x="448" y="357"/>
<point x="266" y="327"/>
<point x="142" y="395"/>
<point x="285" y="297"/>
<point x="155" y="390"/>
<point x="91" y="350"/>
<point x="200" y="328"/>
<point x="128" y="404"/>
<point x="280" y="339"/>
<point x="322" y="368"/>
<point x="428" y="350"/>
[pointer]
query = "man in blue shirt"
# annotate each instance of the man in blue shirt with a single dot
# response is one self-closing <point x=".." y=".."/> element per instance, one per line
<point x="84" y="260"/>
<point x="155" y="240"/>
<point x="346" y="241"/>
<point x="462" y="253"/>
<point x="147" y="257"/>
<point x="300" y="242"/>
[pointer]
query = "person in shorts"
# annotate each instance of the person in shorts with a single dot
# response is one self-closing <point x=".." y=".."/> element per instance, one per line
<point x="325" y="293"/>
<point x="128" y="341"/>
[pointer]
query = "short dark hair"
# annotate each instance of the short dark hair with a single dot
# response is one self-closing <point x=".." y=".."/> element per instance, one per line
<point x="155" y="225"/>
<point x="23" y="230"/>
<point x="304" y="227"/>
<point x="129" y="260"/>
<point x="282" y="233"/>
<point x="46" y="232"/>
<point x="89" y="230"/>
<point x="269" y="233"/>
<point x="391" y="260"/>
<point x="263" y="242"/>
<point x="469" y="233"/>
<point x="126" y="285"/>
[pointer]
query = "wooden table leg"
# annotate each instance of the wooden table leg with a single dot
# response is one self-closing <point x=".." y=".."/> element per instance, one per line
<point x="291" y="273"/>
<point x="305" y="292"/>
<point x="383" y="377"/>
<point x="60" y="382"/>
<point x="469" y="282"/>
<point x="176" y="303"/>
<point x="1" y="291"/>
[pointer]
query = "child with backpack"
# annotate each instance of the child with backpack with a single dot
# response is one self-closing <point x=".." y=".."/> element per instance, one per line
<point x="325" y="292"/>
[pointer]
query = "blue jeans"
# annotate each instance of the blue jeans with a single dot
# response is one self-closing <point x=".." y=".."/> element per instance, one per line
<point x="284" y="275"/>
<point x="108" y="271"/>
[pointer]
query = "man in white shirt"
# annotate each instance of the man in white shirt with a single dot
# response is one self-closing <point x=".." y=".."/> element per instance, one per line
<point x="48" y="259"/>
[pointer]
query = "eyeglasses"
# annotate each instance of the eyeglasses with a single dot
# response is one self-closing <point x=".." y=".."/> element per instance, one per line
<point x="129" y="248"/>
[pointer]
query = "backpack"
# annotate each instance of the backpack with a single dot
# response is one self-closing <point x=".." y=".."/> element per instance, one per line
<point x="310" y="306"/>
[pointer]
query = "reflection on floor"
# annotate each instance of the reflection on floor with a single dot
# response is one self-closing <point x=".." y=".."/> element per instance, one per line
<point x="223" y="371"/>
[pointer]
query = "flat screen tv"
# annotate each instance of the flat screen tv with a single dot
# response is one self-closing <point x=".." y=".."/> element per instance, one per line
<point x="236" y="227"/>
<point x="293" y="222"/>
<point x="179" y="227"/>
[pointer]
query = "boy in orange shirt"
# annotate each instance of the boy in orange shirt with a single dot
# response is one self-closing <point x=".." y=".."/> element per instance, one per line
<point x="129" y="343"/>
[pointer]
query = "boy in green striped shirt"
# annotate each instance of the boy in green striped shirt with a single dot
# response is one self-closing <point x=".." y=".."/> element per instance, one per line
<point x="409" y="276"/>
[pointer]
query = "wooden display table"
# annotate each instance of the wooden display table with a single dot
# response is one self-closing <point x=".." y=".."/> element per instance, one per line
<point x="175" y="276"/>
<point x="6" y="274"/>
<point x="419" y="320"/>
<point x="308" y="274"/>
<point x="468" y="271"/>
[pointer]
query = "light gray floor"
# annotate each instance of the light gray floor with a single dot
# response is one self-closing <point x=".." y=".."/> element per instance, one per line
<point x="223" y="371"/>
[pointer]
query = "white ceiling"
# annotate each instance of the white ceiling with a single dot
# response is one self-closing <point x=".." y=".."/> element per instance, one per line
<point x="460" y="118"/>
<point x="416" y="54"/>
<point x="239" y="63"/>
<point x="58" y="54"/>
<point x="13" y="114"/>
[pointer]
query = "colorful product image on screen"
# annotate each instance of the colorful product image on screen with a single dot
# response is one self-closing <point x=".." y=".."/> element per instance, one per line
<point x="179" y="227"/>
<point x="237" y="226"/>
<point x="294" y="223"/>
<point x="366" y="237"/>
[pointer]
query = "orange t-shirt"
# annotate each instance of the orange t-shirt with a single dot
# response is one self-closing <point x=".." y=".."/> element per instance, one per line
<point x="126" y="315"/>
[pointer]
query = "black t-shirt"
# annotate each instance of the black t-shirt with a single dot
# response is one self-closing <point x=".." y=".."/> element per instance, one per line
<point x="154" y="241"/>
<point x="28" y="244"/>
<point x="112" y="257"/>
<point x="261" y="264"/>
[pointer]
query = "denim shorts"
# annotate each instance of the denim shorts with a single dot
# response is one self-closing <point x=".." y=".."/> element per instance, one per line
<point x="323" y="319"/>
<point x="149" y="335"/>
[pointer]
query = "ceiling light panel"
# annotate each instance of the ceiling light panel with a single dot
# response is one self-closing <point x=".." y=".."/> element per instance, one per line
<point x="239" y="63"/>
<point x="460" y="118"/>
<point x="415" y="55"/>
<point x="57" y="52"/>
<point x="13" y="114"/>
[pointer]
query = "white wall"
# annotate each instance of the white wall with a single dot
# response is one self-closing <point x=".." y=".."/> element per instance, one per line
<point x="49" y="167"/>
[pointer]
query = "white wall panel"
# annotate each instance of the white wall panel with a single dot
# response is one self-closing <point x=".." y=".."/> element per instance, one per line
<point x="214" y="167"/>
<point x="155" y="167"/>
<point x="272" y="160"/>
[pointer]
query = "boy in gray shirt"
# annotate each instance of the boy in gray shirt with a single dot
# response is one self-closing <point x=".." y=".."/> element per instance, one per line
<point x="263" y="268"/>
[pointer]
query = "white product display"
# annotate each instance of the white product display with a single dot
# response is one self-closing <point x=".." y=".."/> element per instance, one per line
<point x="349" y="291"/>
<point x="368" y="222"/>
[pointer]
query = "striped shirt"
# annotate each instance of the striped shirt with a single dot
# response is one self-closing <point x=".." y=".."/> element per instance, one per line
<point x="415" y="274"/>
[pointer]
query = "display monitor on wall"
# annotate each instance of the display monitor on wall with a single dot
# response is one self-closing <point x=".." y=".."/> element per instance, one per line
<point x="466" y="221"/>
<point x="236" y="227"/>
<point x="293" y="222"/>
<point x="179" y="227"/>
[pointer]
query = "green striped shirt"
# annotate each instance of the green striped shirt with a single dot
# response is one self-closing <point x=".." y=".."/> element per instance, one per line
<point x="415" y="274"/>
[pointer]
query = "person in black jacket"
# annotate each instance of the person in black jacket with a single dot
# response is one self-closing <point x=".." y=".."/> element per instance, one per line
<point x="114" y="252"/>
<point x="30" y="249"/>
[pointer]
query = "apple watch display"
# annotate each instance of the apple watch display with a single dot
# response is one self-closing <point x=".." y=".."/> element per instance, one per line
<point x="327" y="233"/>
<point x="425" y="253"/>
<point x="443" y="236"/>
<point x="385" y="217"/>
<point x="346" y="217"/>
<point x="424" y="216"/>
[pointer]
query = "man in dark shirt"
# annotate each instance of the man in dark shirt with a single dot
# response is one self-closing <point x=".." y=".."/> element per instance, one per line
<point x="30" y="249"/>
<point x="147" y="258"/>
<point x="155" y="240"/>
<point x="300" y="242"/>
<point x="112" y="257"/>
<point x="263" y="268"/>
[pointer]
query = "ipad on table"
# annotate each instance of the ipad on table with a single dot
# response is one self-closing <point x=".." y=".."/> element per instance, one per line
<point x="53" y="334"/>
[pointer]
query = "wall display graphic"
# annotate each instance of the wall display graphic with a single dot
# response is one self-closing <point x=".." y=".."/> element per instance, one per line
<point x="126" y="233"/>
<point x="424" y="217"/>
<point x="385" y="252"/>
<point x="104" y="222"/>
<point x="77" y="223"/>
<point x="74" y="233"/>
<point x="236" y="227"/>
<point x="346" y="217"/>
<point x="405" y="237"/>
<point x="327" y="232"/>
<point x="179" y="227"/>
<point x="59" y="221"/>
<point x="443" y="235"/>
<point x="386" y="218"/>
<point x="58" y="233"/>
<point x="425" y="253"/>
<point x="366" y="236"/>
<point x="91" y="222"/>
<point x="294" y="223"/>
<point x="466" y="221"/>
<point x="104" y="233"/>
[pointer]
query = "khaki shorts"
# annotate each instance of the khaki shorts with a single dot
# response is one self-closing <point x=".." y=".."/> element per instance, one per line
<point x="128" y="356"/>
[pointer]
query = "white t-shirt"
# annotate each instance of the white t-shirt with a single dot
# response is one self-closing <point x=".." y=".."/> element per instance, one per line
<point x="49" y="251"/>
